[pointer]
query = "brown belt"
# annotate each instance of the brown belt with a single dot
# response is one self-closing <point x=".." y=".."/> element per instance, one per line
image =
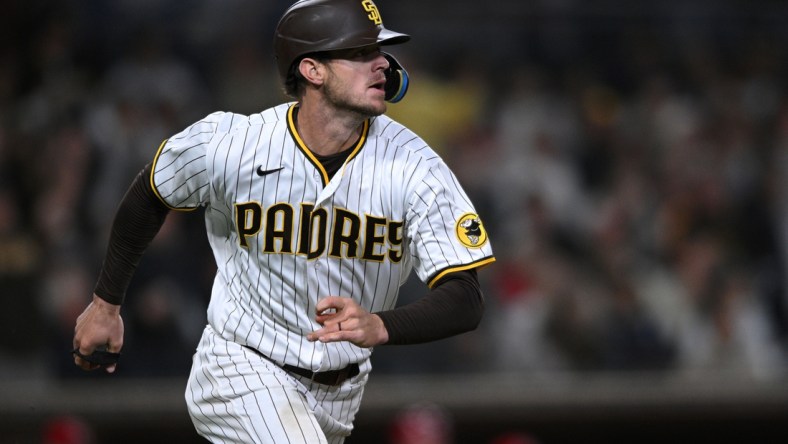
<point x="328" y="377"/>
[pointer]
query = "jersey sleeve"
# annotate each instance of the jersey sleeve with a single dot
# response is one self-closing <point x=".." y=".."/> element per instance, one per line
<point x="179" y="176"/>
<point x="445" y="232"/>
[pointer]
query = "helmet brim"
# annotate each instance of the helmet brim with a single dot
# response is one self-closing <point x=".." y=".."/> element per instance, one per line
<point x="389" y="37"/>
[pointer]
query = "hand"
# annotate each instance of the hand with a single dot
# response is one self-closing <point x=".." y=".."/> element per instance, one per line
<point x="344" y="320"/>
<point x="99" y="325"/>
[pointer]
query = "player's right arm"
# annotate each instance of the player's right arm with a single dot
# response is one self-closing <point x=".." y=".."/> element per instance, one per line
<point x="179" y="167"/>
<point x="139" y="217"/>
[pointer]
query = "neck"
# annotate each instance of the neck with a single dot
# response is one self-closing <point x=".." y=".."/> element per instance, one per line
<point x="326" y="131"/>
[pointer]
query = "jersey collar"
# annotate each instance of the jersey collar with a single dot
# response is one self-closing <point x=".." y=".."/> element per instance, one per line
<point x="291" y="112"/>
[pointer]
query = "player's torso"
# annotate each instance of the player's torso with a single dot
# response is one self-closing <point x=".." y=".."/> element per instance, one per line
<point x="285" y="236"/>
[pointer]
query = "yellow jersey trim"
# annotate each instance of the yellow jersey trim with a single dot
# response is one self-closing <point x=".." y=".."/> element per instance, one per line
<point x="308" y="153"/>
<point x="478" y="264"/>
<point x="153" y="184"/>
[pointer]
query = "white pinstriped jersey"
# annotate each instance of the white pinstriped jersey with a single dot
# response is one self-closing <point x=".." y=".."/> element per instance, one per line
<point x="285" y="236"/>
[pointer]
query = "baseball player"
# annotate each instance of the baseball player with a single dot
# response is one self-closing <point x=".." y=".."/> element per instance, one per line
<point x="316" y="210"/>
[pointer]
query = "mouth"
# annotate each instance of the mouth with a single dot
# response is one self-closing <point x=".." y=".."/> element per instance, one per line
<point x="379" y="85"/>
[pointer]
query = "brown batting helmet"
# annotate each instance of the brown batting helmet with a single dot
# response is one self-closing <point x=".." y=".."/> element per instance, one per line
<point x="310" y="26"/>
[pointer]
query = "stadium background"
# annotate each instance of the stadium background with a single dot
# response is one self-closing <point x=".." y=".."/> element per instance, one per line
<point x="629" y="159"/>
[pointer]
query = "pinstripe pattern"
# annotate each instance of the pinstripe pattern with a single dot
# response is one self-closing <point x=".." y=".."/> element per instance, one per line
<point x="397" y="196"/>
<point x="236" y="396"/>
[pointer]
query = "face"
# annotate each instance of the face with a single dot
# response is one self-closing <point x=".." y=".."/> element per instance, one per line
<point x="355" y="81"/>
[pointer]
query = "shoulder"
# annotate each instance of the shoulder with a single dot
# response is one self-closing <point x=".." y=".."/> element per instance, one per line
<point x="226" y="122"/>
<point x="204" y="135"/>
<point x="205" y="129"/>
<point x="396" y="135"/>
<point x="222" y="122"/>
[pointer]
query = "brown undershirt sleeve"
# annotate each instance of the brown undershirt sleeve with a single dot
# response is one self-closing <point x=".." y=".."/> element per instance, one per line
<point x="138" y="219"/>
<point x="455" y="305"/>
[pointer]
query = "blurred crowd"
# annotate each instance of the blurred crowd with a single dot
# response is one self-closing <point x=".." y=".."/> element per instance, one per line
<point x="633" y="177"/>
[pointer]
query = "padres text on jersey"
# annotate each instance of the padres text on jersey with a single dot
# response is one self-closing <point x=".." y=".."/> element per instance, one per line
<point x="286" y="235"/>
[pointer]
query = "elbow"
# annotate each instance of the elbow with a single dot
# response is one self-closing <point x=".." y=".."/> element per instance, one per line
<point x="473" y="318"/>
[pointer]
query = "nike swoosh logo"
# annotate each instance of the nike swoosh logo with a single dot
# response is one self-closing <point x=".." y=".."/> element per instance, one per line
<point x="261" y="172"/>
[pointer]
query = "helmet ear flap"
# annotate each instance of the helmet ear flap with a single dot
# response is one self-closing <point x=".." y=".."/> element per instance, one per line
<point x="397" y="80"/>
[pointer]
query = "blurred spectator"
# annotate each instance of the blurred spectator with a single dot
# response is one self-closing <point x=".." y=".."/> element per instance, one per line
<point x="725" y="328"/>
<point x="159" y="341"/>
<point x="778" y="190"/>
<point x="634" y="181"/>
<point x="442" y="107"/>
<point x="245" y="82"/>
<point x="67" y="430"/>
<point x="536" y="129"/>
<point x="631" y="338"/>
<point x="142" y="97"/>
<point x="423" y="423"/>
<point x="62" y="172"/>
<point x="515" y="438"/>
<point x="20" y="261"/>
<point x="525" y="302"/>
<point x="65" y="289"/>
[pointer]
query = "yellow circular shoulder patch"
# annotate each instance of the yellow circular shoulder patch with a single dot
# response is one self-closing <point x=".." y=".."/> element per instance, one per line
<point x="470" y="231"/>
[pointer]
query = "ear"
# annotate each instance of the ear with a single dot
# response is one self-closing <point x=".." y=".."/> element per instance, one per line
<point x="312" y="70"/>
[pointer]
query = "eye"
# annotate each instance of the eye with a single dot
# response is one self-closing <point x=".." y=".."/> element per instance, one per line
<point x="366" y="52"/>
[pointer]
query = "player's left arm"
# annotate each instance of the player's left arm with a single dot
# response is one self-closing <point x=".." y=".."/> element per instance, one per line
<point x="451" y="243"/>
<point x="454" y="305"/>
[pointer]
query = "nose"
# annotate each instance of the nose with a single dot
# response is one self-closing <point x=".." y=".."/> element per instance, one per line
<point x="381" y="62"/>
